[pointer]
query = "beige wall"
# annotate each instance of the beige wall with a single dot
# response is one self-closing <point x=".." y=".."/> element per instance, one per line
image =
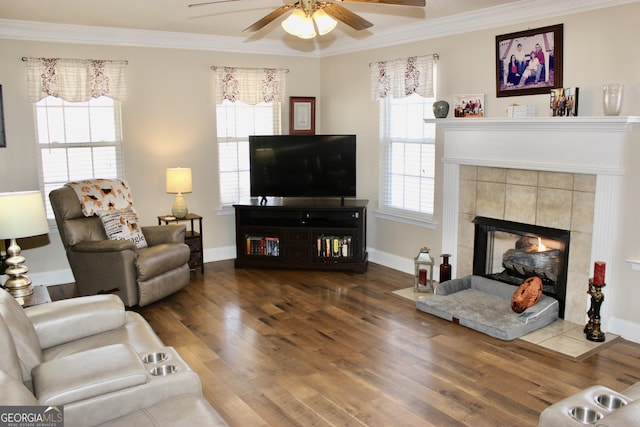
<point x="593" y="55"/>
<point x="168" y="119"/>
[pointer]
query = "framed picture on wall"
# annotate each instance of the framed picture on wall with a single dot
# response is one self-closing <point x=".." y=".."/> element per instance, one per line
<point x="529" y="62"/>
<point x="302" y="115"/>
<point x="3" y="140"/>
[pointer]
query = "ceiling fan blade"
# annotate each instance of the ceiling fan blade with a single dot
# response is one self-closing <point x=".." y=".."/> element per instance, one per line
<point x="211" y="2"/>
<point x="396" y="2"/>
<point x="345" y="15"/>
<point x="267" y="19"/>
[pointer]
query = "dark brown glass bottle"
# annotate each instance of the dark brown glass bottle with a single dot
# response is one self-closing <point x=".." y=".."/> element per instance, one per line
<point x="445" y="268"/>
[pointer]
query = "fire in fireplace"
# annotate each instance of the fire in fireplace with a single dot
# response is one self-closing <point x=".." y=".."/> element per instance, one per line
<point x="511" y="251"/>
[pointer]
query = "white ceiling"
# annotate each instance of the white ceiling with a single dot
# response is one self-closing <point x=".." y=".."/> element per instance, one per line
<point x="171" y="23"/>
<point x="225" y="19"/>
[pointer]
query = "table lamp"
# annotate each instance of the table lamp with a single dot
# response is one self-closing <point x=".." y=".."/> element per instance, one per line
<point x="22" y="214"/>
<point x="178" y="182"/>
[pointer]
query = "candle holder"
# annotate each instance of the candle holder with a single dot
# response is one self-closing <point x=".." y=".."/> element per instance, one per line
<point x="592" y="328"/>
<point x="423" y="281"/>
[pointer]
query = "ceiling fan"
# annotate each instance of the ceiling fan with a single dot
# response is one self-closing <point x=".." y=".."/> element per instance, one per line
<point x="322" y="13"/>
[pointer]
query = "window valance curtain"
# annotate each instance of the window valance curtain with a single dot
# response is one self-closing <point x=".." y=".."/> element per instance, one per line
<point x="75" y="80"/>
<point x="403" y="77"/>
<point x="250" y="85"/>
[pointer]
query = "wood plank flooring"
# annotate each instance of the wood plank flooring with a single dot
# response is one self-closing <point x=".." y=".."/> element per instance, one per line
<point x="309" y="348"/>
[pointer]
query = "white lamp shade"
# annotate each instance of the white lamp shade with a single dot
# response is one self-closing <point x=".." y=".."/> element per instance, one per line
<point x="178" y="180"/>
<point x="22" y="214"/>
<point x="299" y="24"/>
<point x="324" y="22"/>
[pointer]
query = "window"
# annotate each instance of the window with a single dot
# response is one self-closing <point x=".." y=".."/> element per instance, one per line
<point x="77" y="140"/>
<point x="235" y="122"/>
<point x="407" y="157"/>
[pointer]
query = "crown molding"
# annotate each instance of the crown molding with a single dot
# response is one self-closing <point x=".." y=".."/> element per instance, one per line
<point x="512" y="13"/>
<point x="492" y="17"/>
<point x="112" y="36"/>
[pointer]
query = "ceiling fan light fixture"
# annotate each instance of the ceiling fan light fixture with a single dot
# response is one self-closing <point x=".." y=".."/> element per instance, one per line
<point x="324" y="22"/>
<point x="299" y="24"/>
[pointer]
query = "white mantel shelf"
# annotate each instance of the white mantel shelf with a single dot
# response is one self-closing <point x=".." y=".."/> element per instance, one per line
<point x="609" y="122"/>
<point x="590" y="144"/>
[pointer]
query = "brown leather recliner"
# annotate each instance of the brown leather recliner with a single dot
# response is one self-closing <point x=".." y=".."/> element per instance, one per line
<point x="139" y="276"/>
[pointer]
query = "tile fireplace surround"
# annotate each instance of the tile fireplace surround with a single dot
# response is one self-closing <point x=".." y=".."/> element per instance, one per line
<point x="565" y="173"/>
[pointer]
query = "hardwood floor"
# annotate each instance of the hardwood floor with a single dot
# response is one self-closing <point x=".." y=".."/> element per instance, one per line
<point x="302" y="348"/>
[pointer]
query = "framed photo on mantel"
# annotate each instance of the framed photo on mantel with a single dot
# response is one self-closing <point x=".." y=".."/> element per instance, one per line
<point x="302" y="115"/>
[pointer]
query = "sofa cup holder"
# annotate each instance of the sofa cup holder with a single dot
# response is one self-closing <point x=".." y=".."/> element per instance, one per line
<point x="163" y="370"/>
<point x="610" y="401"/>
<point x="585" y="415"/>
<point x="156" y="357"/>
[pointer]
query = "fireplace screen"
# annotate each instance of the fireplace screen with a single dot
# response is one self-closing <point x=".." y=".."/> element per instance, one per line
<point x="510" y="252"/>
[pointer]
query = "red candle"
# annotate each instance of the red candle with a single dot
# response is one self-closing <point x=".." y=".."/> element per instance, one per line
<point x="422" y="277"/>
<point x="598" y="273"/>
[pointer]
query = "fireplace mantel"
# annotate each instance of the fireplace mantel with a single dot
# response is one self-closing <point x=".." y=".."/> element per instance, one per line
<point x="563" y="144"/>
<point x="583" y="145"/>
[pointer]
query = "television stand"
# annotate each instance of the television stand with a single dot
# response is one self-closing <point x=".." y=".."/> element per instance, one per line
<point x="319" y="234"/>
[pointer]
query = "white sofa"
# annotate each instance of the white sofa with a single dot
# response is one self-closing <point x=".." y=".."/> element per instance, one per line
<point x="88" y="355"/>
<point x="596" y="405"/>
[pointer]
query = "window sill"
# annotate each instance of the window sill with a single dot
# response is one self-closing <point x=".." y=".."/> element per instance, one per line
<point x="420" y="222"/>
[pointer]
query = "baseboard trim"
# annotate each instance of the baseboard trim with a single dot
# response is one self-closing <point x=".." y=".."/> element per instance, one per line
<point x="219" y="254"/>
<point x="630" y="331"/>
<point x="392" y="261"/>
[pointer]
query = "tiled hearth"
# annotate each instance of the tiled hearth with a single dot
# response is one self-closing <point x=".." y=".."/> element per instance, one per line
<point x="558" y="172"/>
<point x="566" y="339"/>
<point x="561" y="337"/>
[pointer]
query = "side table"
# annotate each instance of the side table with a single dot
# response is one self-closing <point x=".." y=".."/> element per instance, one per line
<point x="192" y="238"/>
<point x="40" y="296"/>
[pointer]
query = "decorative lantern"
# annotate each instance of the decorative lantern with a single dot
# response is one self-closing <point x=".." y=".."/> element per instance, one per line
<point x="423" y="280"/>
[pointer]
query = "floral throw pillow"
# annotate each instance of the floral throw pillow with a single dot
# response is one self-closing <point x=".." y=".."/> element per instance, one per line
<point x="123" y="225"/>
<point x="102" y="194"/>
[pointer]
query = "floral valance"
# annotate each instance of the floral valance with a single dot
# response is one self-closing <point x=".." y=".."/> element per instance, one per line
<point x="250" y="85"/>
<point x="403" y="77"/>
<point x="75" y="79"/>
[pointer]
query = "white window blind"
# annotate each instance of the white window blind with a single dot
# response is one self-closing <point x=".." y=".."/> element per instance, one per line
<point x="235" y="122"/>
<point x="407" y="156"/>
<point x="77" y="140"/>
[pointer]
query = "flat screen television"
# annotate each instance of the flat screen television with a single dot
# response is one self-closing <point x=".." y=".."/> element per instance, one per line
<point x="303" y="165"/>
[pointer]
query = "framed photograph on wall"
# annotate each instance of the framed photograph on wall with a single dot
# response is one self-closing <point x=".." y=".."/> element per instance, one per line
<point x="468" y="106"/>
<point x="302" y="115"/>
<point x="3" y="139"/>
<point x="529" y="62"/>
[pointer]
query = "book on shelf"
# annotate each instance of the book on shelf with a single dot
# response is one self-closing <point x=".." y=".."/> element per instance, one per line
<point x="263" y="245"/>
<point x="334" y="246"/>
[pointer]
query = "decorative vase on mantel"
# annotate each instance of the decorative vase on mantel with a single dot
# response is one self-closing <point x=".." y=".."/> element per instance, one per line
<point x="612" y="99"/>
<point x="440" y="109"/>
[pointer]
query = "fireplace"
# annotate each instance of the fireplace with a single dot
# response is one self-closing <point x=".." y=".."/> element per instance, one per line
<point x="565" y="173"/>
<point x="511" y="252"/>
